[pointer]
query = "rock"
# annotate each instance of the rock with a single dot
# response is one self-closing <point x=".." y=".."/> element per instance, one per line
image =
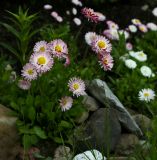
<point x="82" y="118"/>
<point x="90" y="155"/>
<point x="99" y="90"/>
<point x="90" y="103"/>
<point x="126" y="144"/>
<point x="9" y="139"/>
<point x="62" y="153"/>
<point x="122" y="158"/>
<point x="143" y="122"/>
<point x="102" y="130"/>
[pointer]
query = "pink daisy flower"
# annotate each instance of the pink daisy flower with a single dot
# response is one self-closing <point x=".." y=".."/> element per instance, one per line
<point x="111" y="34"/>
<point x="101" y="17"/>
<point x="29" y="73"/>
<point x="58" y="48"/>
<point x="101" y="45"/>
<point x="112" y="25"/>
<point x="90" y="37"/>
<point x="42" y="62"/>
<point x="106" y="62"/>
<point x="129" y="46"/>
<point x="40" y="46"/>
<point x="90" y="14"/>
<point x="77" y="86"/>
<point x="143" y="28"/>
<point x="66" y="103"/>
<point x="67" y="61"/>
<point x="24" y="84"/>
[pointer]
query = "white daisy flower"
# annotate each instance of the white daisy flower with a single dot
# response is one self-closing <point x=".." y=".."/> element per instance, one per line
<point x="130" y="63"/>
<point x="47" y="7"/>
<point x="66" y="103"/>
<point x="132" y="53"/>
<point x="77" y="86"/>
<point x="90" y="37"/>
<point x="42" y="62"/>
<point x="143" y="28"/>
<point x="77" y="21"/>
<point x="152" y="26"/>
<point x="126" y="34"/>
<point x="59" y="19"/>
<point x="154" y="11"/>
<point x="140" y="56"/>
<point x="24" y="84"/>
<point x="77" y="2"/>
<point x="40" y="46"/>
<point x="111" y="34"/>
<point x="74" y="11"/>
<point x="101" y="17"/>
<point x="136" y="21"/>
<point x="132" y="28"/>
<point x="146" y="95"/>
<point x="146" y="71"/>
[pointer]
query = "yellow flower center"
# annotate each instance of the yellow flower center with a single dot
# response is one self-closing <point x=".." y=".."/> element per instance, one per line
<point x="146" y="94"/>
<point x="141" y="54"/>
<point x="137" y="21"/>
<point x="105" y="61"/>
<point x="30" y="71"/>
<point x="58" y="48"/>
<point x="41" y="60"/>
<point x="102" y="44"/>
<point x="76" y="86"/>
<point x="64" y="102"/>
<point x="42" y="49"/>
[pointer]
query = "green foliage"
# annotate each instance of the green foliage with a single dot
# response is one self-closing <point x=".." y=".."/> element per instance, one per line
<point x="21" y="29"/>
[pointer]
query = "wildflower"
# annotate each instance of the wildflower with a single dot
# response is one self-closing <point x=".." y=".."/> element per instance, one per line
<point x="90" y="37"/>
<point x="58" y="48"/>
<point x="74" y="11"/>
<point x="40" y="46"/>
<point x="59" y="19"/>
<point x="47" y="7"/>
<point x="143" y="28"/>
<point x="146" y="71"/>
<point x="126" y="34"/>
<point x="77" y="21"/>
<point x="129" y="46"/>
<point x="42" y="62"/>
<point x="136" y="21"/>
<point x="77" y="86"/>
<point x="13" y="76"/>
<point x="106" y="62"/>
<point x="154" y="11"/>
<point x="101" y="17"/>
<point x="90" y="14"/>
<point x="24" y="84"/>
<point x="146" y="95"/>
<point x="66" y="103"/>
<point x="29" y="72"/>
<point x="141" y="56"/>
<point x="101" y="45"/>
<point x="68" y="12"/>
<point x="130" y="63"/>
<point x="152" y="26"/>
<point x="111" y="34"/>
<point x="77" y="2"/>
<point x="112" y="25"/>
<point x="54" y="14"/>
<point x="8" y="67"/>
<point x="67" y="61"/>
<point x="132" y="53"/>
<point x="132" y="28"/>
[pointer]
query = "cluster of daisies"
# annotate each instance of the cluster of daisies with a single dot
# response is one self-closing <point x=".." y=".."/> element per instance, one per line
<point x="42" y="60"/>
<point x="102" y="47"/>
<point x="144" y="94"/>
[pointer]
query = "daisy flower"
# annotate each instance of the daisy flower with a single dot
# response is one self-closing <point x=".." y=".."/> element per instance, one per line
<point x="152" y="26"/>
<point x="146" y="71"/>
<point x="111" y="34"/>
<point x="47" y="7"/>
<point x="129" y="46"/>
<point x="140" y="56"/>
<point x="146" y="95"/>
<point x="59" y="19"/>
<point x="126" y="34"/>
<point x="101" y="45"/>
<point x="77" y="21"/>
<point x="66" y="103"/>
<point x="54" y="14"/>
<point x="29" y="72"/>
<point x="130" y="63"/>
<point x="143" y="28"/>
<point x="112" y="25"/>
<point x="101" y="17"/>
<point x="90" y="14"/>
<point x="24" y="84"/>
<point x="74" y="11"/>
<point x="58" y="48"/>
<point x="40" y="46"/>
<point x="132" y="28"/>
<point x="90" y="37"/>
<point x="77" y="86"/>
<point x="42" y="62"/>
<point x="77" y="2"/>
<point x="106" y="62"/>
<point x="154" y="11"/>
<point x="136" y="21"/>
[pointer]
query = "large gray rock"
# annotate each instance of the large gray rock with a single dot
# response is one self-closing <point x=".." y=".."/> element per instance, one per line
<point x="101" y="132"/>
<point x="9" y="139"/>
<point x="100" y="90"/>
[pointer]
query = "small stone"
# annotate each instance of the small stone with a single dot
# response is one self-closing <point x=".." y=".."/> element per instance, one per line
<point x="90" y="103"/>
<point x="126" y="144"/>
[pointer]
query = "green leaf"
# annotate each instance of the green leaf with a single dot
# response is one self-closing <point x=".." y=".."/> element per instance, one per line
<point x="39" y="132"/>
<point x="31" y="113"/>
<point x="58" y="140"/>
<point x="65" y="124"/>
